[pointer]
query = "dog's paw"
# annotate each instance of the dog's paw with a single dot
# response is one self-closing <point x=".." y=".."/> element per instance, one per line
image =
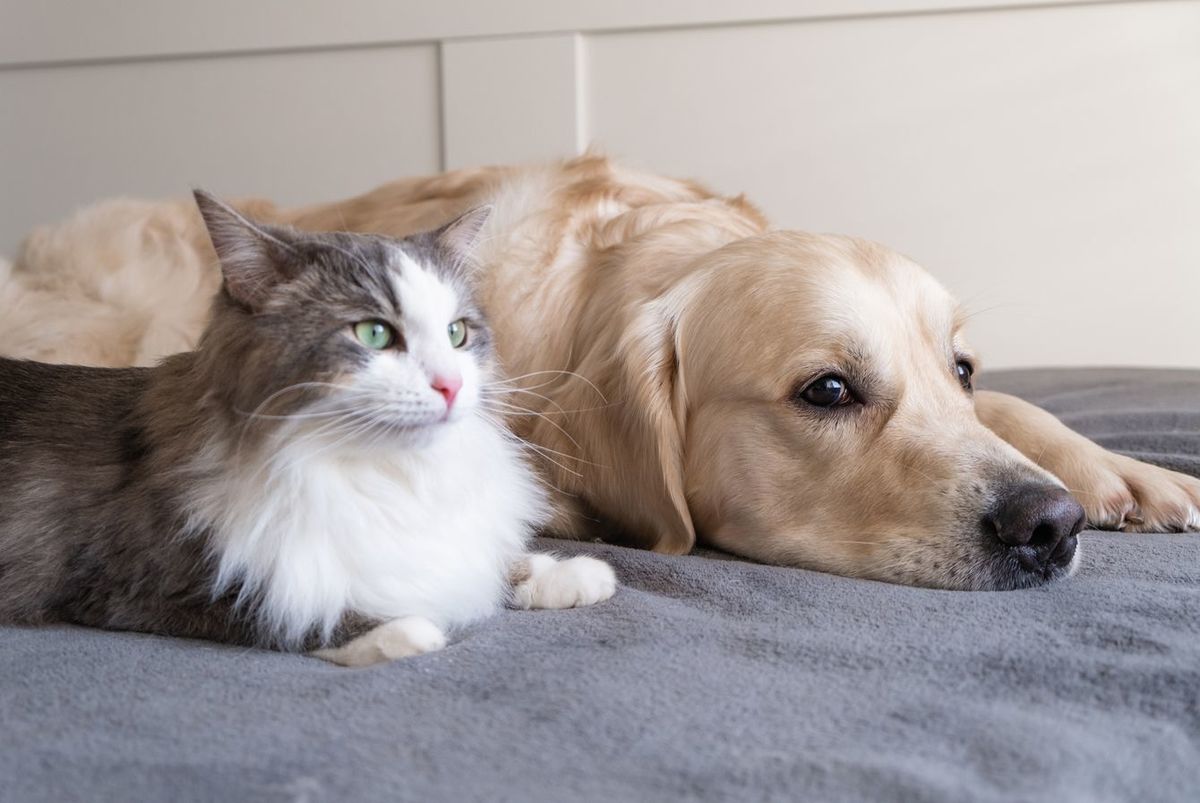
<point x="571" y="583"/>
<point x="1120" y="493"/>
<point x="399" y="638"/>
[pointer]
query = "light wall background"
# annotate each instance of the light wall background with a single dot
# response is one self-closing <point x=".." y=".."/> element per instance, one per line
<point x="1041" y="158"/>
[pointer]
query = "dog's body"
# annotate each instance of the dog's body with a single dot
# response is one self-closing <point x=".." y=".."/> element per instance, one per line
<point x="676" y="357"/>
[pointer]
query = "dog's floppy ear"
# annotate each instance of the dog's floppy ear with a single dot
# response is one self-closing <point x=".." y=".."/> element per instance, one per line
<point x="655" y="421"/>
<point x="632" y="438"/>
<point x="254" y="258"/>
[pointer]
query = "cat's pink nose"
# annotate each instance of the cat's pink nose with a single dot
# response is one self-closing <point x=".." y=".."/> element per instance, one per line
<point x="448" y="386"/>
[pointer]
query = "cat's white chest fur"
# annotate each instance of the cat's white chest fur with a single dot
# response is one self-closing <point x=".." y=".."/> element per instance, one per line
<point x="429" y="531"/>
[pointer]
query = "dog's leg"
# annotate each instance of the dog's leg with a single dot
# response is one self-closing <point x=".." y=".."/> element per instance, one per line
<point x="1117" y="492"/>
<point x="541" y="581"/>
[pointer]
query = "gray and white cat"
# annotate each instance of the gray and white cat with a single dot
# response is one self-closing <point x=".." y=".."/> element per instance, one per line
<point x="322" y="473"/>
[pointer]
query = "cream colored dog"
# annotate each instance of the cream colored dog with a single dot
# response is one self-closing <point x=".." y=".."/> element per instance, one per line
<point x="682" y="370"/>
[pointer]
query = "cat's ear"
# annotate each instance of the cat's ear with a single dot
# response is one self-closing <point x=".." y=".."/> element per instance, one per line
<point x="254" y="258"/>
<point x="460" y="236"/>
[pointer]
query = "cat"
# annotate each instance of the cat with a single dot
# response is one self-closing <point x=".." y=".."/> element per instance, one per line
<point x="323" y="473"/>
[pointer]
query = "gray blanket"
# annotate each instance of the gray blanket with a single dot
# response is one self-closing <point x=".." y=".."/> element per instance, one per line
<point x="704" y="678"/>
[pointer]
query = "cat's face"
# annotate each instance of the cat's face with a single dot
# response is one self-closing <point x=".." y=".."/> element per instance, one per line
<point x="348" y="339"/>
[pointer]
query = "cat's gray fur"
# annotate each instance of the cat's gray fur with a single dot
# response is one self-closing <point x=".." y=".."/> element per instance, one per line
<point x="95" y="464"/>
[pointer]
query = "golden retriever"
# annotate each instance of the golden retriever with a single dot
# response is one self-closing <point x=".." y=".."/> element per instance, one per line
<point x="683" y="371"/>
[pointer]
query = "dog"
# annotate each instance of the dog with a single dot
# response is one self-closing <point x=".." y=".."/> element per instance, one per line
<point x="682" y="371"/>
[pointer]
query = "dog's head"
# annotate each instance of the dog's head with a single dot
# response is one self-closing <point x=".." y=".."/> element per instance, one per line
<point x="809" y="400"/>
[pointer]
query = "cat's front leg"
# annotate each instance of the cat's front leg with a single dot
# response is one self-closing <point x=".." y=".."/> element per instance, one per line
<point x="1117" y="492"/>
<point x="398" y="638"/>
<point x="542" y="581"/>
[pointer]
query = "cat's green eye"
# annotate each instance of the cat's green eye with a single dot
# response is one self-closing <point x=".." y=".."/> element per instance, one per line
<point x="458" y="333"/>
<point x="375" y="334"/>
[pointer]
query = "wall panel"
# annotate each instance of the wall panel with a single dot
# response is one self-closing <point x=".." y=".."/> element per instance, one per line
<point x="1044" y="163"/>
<point x="298" y="127"/>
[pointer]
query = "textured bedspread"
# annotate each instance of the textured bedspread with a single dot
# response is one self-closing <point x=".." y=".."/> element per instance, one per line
<point x="704" y="678"/>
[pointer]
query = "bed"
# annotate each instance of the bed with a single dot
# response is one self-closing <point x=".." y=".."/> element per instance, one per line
<point x="705" y="678"/>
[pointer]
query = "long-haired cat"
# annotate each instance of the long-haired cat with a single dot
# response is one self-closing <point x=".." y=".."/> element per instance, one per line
<point x="322" y="473"/>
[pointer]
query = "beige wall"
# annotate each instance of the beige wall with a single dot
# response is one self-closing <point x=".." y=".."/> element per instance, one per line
<point x="1043" y="159"/>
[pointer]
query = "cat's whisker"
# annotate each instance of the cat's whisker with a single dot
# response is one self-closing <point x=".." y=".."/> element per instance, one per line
<point x="331" y="428"/>
<point x="362" y="430"/>
<point x="531" y="445"/>
<point x="291" y="388"/>
<point x="556" y="412"/>
<point x="589" y="382"/>
<point x="549" y="421"/>
<point x="510" y="383"/>
<point x="346" y="395"/>
<point x="299" y="416"/>
<point x="541" y="451"/>
<point x="533" y="373"/>
<point x="349" y="428"/>
<point x="555" y="451"/>
<point x="566" y="456"/>
<point x="537" y="395"/>
<point x="499" y="387"/>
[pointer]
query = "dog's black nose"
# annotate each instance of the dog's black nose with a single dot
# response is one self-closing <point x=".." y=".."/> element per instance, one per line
<point x="1039" y="523"/>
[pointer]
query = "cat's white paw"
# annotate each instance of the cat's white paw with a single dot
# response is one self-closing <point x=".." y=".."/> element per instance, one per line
<point x="570" y="583"/>
<point x="399" y="638"/>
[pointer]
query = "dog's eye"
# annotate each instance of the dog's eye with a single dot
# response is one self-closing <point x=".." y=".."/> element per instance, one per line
<point x="827" y="391"/>
<point x="965" y="371"/>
